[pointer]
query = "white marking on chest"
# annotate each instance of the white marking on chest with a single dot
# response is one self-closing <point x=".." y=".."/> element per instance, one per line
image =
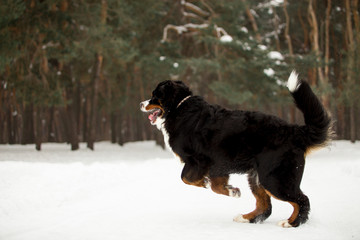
<point x="160" y="125"/>
<point x="166" y="138"/>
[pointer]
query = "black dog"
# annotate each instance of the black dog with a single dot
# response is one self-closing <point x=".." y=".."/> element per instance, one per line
<point x="214" y="142"/>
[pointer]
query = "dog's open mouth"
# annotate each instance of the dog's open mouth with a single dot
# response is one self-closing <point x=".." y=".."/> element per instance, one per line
<point x="154" y="114"/>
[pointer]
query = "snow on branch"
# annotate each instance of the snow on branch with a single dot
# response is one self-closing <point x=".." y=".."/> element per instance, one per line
<point x="194" y="28"/>
<point x="189" y="27"/>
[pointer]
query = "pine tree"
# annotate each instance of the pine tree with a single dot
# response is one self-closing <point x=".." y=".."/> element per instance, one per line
<point x="72" y="72"/>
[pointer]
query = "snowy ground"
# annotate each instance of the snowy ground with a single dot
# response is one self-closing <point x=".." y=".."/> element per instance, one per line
<point x="135" y="192"/>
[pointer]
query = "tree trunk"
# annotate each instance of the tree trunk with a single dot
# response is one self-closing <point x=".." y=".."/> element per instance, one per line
<point x="276" y="22"/>
<point x="2" y="122"/>
<point x="113" y="120"/>
<point x="96" y="84"/>
<point x="253" y="22"/>
<point x="350" y="70"/>
<point x="327" y="38"/>
<point x="120" y="130"/>
<point x="85" y="118"/>
<point x="72" y="110"/>
<point x="286" y="32"/>
<point x="94" y="102"/>
<point x="316" y="49"/>
<point x="72" y="128"/>
<point x="59" y="127"/>
<point x="51" y="135"/>
<point x="326" y="97"/>
<point x="11" y="137"/>
<point x="28" y="125"/>
<point x="38" y="128"/>
<point x="305" y="30"/>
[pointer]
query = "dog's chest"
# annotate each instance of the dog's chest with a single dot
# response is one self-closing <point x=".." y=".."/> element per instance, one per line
<point x="166" y="136"/>
<point x="160" y="124"/>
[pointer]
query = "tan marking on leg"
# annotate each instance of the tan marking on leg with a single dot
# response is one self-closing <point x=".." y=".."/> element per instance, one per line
<point x="218" y="185"/>
<point x="271" y="195"/>
<point x="198" y="183"/>
<point x="295" y="213"/>
<point x="262" y="203"/>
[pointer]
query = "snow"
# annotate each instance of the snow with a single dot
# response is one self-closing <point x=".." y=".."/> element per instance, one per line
<point x="270" y="4"/>
<point x="276" y="3"/>
<point x="135" y="192"/>
<point x="244" y="45"/>
<point x="262" y="47"/>
<point x="269" y="72"/>
<point x="275" y="55"/>
<point x="244" y="29"/>
<point x="270" y="11"/>
<point x="226" y="39"/>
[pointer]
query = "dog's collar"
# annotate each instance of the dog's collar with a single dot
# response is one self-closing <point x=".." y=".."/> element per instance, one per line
<point x="182" y="101"/>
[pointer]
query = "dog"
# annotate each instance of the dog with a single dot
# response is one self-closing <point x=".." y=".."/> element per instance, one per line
<point x="214" y="142"/>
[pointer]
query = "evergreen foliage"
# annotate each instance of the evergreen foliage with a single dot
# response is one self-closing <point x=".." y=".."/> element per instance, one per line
<point x="74" y="71"/>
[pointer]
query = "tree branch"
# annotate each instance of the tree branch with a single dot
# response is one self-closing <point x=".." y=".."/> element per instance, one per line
<point x="193" y="28"/>
<point x="195" y="9"/>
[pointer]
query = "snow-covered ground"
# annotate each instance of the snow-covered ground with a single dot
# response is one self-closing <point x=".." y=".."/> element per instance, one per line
<point x="135" y="192"/>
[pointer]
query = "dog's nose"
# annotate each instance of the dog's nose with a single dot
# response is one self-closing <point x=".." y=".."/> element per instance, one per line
<point x="141" y="105"/>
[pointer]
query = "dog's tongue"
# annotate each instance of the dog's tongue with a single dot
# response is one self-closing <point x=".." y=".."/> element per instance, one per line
<point x="152" y="117"/>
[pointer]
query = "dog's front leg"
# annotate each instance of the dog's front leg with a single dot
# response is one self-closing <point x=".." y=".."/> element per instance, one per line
<point x="194" y="175"/>
<point x="220" y="185"/>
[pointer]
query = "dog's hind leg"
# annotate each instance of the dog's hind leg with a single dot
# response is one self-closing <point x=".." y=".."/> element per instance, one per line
<point x="285" y="186"/>
<point x="300" y="214"/>
<point x="220" y="185"/>
<point x="301" y="210"/>
<point x="263" y="203"/>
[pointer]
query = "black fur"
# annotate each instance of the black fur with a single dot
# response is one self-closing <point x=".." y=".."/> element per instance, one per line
<point x="214" y="142"/>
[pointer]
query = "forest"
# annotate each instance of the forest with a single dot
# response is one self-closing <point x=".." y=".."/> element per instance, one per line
<point x="76" y="71"/>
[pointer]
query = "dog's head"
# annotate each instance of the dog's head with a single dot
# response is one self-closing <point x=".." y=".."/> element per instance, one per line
<point x="165" y="98"/>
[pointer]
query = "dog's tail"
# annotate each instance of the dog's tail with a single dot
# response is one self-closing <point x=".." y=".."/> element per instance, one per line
<point x="317" y="127"/>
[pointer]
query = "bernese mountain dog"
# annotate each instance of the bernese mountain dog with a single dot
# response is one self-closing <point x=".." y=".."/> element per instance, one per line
<point x="214" y="142"/>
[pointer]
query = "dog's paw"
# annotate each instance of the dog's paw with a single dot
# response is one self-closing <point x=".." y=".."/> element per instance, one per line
<point x="233" y="192"/>
<point x="284" y="224"/>
<point x="207" y="182"/>
<point x="240" y="219"/>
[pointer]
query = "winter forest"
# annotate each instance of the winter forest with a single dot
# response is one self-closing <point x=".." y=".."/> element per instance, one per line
<point x="76" y="71"/>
